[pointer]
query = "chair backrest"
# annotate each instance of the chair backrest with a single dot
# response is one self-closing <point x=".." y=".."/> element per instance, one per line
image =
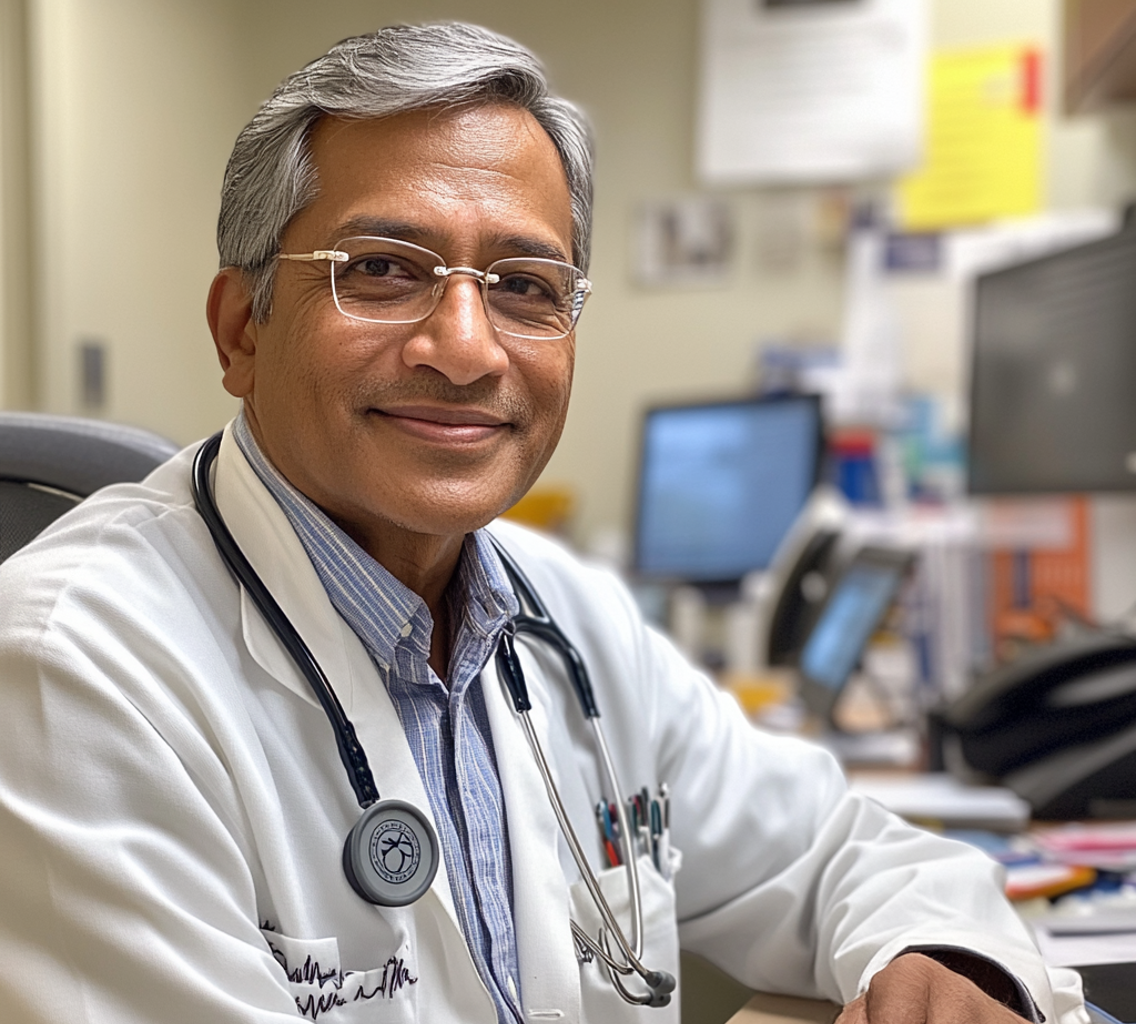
<point x="48" y="464"/>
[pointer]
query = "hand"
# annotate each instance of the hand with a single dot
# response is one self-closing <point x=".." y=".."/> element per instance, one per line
<point x="914" y="989"/>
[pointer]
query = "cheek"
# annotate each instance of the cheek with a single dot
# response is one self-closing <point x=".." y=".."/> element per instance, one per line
<point x="316" y="367"/>
<point x="550" y="388"/>
<point x="564" y="387"/>
<point x="548" y="372"/>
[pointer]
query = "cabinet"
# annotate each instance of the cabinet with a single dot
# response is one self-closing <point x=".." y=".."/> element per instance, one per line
<point x="1100" y="54"/>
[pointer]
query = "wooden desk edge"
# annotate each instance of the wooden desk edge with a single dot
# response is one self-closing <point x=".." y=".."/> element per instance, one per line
<point x="770" y="1009"/>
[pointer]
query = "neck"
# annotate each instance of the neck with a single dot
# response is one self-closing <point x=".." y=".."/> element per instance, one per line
<point x="425" y="564"/>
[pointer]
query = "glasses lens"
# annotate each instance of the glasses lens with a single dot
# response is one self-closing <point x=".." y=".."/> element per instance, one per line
<point x="534" y="298"/>
<point x="386" y="281"/>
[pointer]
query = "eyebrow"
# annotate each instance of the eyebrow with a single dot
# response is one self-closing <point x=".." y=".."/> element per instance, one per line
<point x="380" y="228"/>
<point x="517" y="245"/>
<point x="527" y="246"/>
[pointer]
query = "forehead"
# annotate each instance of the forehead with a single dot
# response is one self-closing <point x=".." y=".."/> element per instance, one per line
<point x="470" y="179"/>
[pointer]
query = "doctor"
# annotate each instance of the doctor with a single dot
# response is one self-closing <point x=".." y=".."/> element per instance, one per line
<point x="404" y="242"/>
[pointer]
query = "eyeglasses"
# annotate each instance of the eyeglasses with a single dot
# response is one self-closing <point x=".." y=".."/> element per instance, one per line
<point x="386" y="281"/>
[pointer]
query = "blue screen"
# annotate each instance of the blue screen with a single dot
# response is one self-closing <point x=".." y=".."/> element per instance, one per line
<point x="851" y="614"/>
<point x="720" y="485"/>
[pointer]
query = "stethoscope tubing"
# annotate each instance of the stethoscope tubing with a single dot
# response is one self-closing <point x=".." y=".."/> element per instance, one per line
<point x="351" y="751"/>
<point x="631" y="949"/>
<point x="539" y="622"/>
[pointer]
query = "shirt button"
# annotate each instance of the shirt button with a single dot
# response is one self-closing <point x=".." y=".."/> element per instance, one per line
<point x="406" y="630"/>
<point x="512" y="987"/>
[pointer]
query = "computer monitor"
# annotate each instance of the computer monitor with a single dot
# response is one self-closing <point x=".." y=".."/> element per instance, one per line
<point x="720" y="484"/>
<point x="1053" y="375"/>
<point x="855" y="607"/>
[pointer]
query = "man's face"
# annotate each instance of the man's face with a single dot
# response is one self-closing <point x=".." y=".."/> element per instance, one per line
<point x="438" y="426"/>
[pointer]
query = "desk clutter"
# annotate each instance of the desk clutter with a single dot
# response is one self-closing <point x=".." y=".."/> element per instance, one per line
<point x="988" y="637"/>
<point x="850" y="624"/>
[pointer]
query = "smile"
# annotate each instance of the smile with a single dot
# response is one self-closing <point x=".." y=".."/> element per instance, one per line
<point x="444" y="424"/>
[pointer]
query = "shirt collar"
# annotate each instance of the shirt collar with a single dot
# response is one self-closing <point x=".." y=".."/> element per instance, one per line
<point x="381" y="610"/>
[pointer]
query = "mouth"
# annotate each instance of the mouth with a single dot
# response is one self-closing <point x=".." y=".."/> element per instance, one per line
<point x="447" y="424"/>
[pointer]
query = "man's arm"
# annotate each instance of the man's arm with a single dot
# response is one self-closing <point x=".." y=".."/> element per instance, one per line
<point x="790" y="882"/>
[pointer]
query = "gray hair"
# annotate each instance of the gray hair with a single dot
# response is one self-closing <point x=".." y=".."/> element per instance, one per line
<point x="270" y="176"/>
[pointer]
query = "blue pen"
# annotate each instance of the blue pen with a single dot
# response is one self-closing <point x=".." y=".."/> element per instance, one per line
<point x="656" y="831"/>
<point x="605" y="818"/>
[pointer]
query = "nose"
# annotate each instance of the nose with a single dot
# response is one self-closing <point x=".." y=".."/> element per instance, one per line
<point x="457" y="339"/>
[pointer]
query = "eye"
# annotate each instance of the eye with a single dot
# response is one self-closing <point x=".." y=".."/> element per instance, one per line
<point x="526" y="286"/>
<point x="379" y="265"/>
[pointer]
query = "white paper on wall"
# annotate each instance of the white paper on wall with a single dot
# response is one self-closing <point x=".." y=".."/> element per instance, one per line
<point x="825" y="91"/>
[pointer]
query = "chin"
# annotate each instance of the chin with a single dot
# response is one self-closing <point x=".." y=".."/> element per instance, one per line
<point x="447" y="517"/>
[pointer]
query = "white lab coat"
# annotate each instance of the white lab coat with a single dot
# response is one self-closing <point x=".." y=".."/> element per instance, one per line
<point x="172" y="806"/>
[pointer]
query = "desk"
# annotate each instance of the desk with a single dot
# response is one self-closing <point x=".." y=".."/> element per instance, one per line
<point x="710" y="996"/>
<point x="767" y="1009"/>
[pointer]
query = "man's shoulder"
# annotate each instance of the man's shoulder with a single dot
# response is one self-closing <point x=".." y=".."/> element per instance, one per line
<point x="109" y="542"/>
<point x="573" y="587"/>
<point x="543" y="556"/>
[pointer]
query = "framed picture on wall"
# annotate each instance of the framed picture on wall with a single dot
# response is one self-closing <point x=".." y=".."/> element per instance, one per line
<point x="689" y="240"/>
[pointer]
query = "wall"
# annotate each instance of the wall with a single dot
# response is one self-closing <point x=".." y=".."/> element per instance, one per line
<point x="16" y="306"/>
<point x="134" y="106"/>
<point x="136" y="103"/>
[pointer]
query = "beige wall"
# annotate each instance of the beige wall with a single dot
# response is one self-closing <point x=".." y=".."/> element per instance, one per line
<point x="16" y="305"/>
<point x="136" y="103"/>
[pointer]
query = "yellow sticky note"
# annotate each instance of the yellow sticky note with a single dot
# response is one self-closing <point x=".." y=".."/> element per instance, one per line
<point x="983" y="155"/>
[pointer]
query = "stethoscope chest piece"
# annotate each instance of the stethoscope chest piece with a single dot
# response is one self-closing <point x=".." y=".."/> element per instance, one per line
<point x="391" y="855"/>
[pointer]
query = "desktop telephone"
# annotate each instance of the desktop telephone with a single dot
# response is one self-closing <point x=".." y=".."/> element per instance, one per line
<point x="803" y="591"/>
<point x="1057" y="725"/>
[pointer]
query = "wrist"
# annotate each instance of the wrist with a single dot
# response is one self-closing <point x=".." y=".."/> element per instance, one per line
<point x="990" y="976"/>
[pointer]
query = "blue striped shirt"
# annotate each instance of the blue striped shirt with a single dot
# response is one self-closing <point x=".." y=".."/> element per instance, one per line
<point x="447" y="727"/>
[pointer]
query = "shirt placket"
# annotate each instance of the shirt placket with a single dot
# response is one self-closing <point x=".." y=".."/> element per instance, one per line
<point x="396" y="628"/>
<point x="417" y="689"/>
<point x="486" y="845"/>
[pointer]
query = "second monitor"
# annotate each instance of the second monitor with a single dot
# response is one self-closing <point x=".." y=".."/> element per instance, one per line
<point x="720" y="484"/>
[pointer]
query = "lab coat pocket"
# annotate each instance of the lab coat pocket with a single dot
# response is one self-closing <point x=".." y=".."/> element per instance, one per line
<point x="325" y="991"/>
<point x="598" y="997"/>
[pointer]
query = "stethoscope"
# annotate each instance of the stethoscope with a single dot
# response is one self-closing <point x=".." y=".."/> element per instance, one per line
<point x="391" y="855"/>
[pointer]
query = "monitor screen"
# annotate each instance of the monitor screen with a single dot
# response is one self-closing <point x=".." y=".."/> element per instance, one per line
<point x="721" y="483"/>
<point x="854" y="609"/>
<point x="1053" y="370"/>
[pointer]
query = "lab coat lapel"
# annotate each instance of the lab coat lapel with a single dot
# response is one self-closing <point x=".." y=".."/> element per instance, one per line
<point x="550" y="978"/>
<point x="275" y="552"/>
<point x="270" y="544"/>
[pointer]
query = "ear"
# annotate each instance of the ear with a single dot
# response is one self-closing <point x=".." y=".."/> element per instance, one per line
<point x="229" y="312"/>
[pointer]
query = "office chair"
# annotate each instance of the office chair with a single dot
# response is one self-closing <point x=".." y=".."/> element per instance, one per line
<point x="48" y="464"/>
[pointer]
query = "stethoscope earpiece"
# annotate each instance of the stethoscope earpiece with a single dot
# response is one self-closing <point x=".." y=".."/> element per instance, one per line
<point x="390" y="857"/>
<point x="661" y="984"/>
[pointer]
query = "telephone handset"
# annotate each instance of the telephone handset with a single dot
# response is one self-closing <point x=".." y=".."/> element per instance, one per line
<point x="1057" y="725"/>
